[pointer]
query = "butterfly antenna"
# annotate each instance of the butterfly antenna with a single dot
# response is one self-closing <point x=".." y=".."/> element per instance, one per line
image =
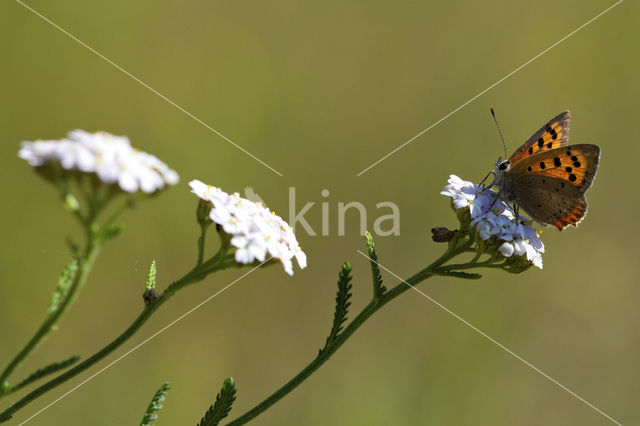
<point x="499" y="131"/>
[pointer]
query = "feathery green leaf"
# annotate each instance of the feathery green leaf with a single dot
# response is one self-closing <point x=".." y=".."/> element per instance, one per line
<point x="155" y="405"/>
<point x="343" y="302"/>
<point x="41" y="372"/>
<point x="220" y="409"/>
<point x="460" y="274"/>
<point x="63" y="286"/>
<point x="111" y="231"/>
<point x="378" y="288"/>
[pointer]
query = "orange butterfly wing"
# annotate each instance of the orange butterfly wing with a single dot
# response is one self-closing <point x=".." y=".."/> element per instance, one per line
<point x="574" y="165"/>
<point x="550" y="201"/>
<point x="554" y="134"/>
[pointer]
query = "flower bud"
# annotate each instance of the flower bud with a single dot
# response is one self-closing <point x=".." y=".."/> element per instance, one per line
<point x="442" y="234"/>
<point x="71" y="203"/>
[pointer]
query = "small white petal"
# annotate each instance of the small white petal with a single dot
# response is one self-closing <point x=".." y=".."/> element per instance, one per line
<point x="301" y="257"/>
<point x="244" y="256"/>
<point x="520" y="247"/>
<point x="506" y="249"/>
<point x="127" y="182"/>
<point x="288" y="266"/>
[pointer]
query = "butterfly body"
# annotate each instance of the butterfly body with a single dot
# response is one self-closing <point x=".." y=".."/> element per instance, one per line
<point x="548" y="178"/>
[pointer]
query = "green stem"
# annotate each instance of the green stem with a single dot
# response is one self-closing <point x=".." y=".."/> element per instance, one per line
<point x="116" y="214"/>
<point x="341" y="338"/>
<point x="52" y="318"/>
<point x="85" y="263"/>
<point x="486" y="264"/>
<point x="476" y="257"/>
<point x="220" y="261"/>
<point x="50" y="369"/>
<point x="201" y="242"/>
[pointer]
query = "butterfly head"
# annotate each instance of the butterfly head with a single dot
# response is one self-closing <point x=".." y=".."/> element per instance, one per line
<point x="502" y="166"/>
<point x="499" y="170"/>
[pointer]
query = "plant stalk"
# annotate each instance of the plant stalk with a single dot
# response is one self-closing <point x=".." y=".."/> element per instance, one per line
<point x="341" y="338"/>
<point x="52" y="318"/>
<point x="217" y="262"/>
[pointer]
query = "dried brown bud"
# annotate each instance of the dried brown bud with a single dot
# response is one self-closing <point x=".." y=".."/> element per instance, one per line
<point x="149" y="296"/>
<point x="442" y="234"/>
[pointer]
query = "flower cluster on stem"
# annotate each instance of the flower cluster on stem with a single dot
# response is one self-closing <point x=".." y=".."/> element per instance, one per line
<point x="255" y="231"/>
<point x="111" y="158"/>
<point x="500" y="233"/>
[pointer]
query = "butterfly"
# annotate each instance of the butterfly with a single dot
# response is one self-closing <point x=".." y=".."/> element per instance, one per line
<point x="548" y="178"/>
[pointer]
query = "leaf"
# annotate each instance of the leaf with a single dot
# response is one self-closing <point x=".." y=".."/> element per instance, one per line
<point x="220" y="409"/>
<point x="73" y="246"/>
<point x="41" y="372"/>
<point x="63" y="286"/>
<point x="460" y="274"/>
<point x="378" y="288"/>
<point x="342" y="303"/>
<point x="155" y="405"/>
<point x="111" y="231"/>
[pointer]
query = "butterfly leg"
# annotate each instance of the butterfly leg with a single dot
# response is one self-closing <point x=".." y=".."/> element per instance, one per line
<point x="485" y="178"/>
<point x="516" y="210"/>
<point x="495" y="200"/>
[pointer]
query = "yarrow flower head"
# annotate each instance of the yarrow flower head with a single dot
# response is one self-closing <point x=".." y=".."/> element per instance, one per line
<point x="254" y="230"/>
<point x="110" y="157"/>
<point x="494" y="221"/>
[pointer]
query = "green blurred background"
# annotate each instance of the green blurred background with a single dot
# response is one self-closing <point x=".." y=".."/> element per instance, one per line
<point x="319" y="91"/>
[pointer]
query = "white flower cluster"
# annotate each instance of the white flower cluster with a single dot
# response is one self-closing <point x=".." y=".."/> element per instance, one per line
<point x="111" y="158"/>
<point x="493" y="217"/>
<point x="254" y="230"/>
